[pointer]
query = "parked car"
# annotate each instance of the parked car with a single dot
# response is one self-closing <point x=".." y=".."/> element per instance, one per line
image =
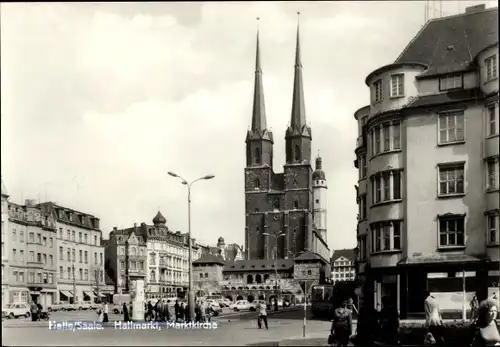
<point x="16" y="310"/>
<point x="84" y="305"/>
<point x="240" y="305"/>
<point x="60" y="306"/>
<point x="225" y="302"/>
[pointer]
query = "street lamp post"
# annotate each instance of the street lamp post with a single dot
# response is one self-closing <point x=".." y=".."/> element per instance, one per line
<point x="190" y="256"/>
<point x="276" y="237"/>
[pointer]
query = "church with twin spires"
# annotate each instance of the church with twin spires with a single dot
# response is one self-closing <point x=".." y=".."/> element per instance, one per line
<point x="285" y="211"/>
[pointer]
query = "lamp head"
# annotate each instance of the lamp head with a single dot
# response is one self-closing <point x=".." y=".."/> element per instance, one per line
<point x="173" y="174"/>
<point x="208" y="177"/>
<point x="266" y="234"/>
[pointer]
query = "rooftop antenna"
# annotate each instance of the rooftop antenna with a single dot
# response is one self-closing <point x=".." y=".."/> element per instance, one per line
<point x="468" y="46"/>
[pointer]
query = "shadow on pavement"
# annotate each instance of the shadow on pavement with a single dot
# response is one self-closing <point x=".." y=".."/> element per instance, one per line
<point x="294" y="342"/>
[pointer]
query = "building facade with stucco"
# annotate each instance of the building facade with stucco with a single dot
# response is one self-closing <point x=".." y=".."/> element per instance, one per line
<point x="428" y="161"/>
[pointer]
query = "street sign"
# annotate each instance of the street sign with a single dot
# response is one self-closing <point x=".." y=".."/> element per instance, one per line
<point x="305" y="285"/>
<point x="358" y="291"/>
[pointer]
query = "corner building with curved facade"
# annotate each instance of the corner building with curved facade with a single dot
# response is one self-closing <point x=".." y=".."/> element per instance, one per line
<point x="427" y="155"/>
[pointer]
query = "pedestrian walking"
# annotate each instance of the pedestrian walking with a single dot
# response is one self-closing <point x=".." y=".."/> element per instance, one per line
<point x="487" y="329"/>
<point x="177" y="309"/>
<point x="187" y="317"/>
<point x="34" y="311"/>
<point x="171" y="311"/>
<point x="150" y="311"/>
<point x="341" y="328"/>
<point x="126" y="316"/>
<point x="389" y="323"/>
<point x="262" y="317"/>
<point x="474" y="305"/>
<point x="367" y="330"/>
<point x="433" y="318"/>
<point x="105" y="312"/>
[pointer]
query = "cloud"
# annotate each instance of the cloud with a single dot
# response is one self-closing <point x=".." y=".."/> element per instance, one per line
<point x="99" y="101"/>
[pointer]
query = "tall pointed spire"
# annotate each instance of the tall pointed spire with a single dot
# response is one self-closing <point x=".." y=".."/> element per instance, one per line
<point x="259" y="121"/>
<point x="298" y="119"/>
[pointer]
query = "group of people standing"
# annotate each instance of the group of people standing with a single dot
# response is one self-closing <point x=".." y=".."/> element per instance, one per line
<point x="166" y="311"/>
<point x="382" y="327"/>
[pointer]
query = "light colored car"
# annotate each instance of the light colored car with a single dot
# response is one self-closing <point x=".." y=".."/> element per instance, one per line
<point x="240" y="305"/>
<point x="59" y="306"/>
<point x="16" y="310"/>
<point x="225" y="302"/>
<point x="84" y="305"/>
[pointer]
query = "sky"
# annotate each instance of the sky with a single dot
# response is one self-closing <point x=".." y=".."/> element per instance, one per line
<point x="100" y="101"/>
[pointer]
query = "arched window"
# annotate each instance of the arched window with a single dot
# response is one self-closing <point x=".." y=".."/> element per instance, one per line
<point x="297" y="152"/>
<point x="153" y="276"/>
<point x="257" y="156"/>
<point x="249" y="279"/>
<point x="133" y="251"/>
<point x="257" y="183"/>
<point x="296" y="204"/>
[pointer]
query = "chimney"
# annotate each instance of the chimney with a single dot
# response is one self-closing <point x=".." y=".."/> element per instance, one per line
<point x="115" y="228"/>
<point x="475" y="9"/>
<point x="135" y="225"/>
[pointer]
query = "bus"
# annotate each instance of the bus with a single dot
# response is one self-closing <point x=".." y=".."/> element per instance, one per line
<point x="322" y="301"/>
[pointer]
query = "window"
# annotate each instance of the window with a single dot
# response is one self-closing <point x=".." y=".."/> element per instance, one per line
<point x="51" y="259"/>
<point x="74" y="255"/>
<point x="73" y="238"/>
<point x="51" y="279"/>
<point x="80" y="237"/>
<point x="451" y="231"/>
<point x="44" y="241"/>
<point x="492" y="174"/>
<point x="60" y="233"/>
<point x="86" y="257"/>
<point x="296" y="204"/>
<point x="69" y="273"/>
<point x="492" y="228"/>
<point x="61" y="272"/>
<point x="32" y="256"/>
<point x="21" y="235"/>
<point x="492" y="120"/>
<point x="386" y="186"/>
<point x="13" y="235"/>
<point x="68" y="235"/>
<point x="297" y="153"/>
<point x="377" y="86"/>
<point x="100" y="258"/>
<point x="61" y="253"/>
<point x="491" y="67"/>
<point x="450" y="82"/>
<point x="39" y="239"/>
<point x="31" y="237"/>
<point x="386" y="137"/>
<point x="21" y="255"/>
<point x="45" y="258"/>
<point x="95" y="241"/>
<point x="451" y="179"/>
<point x="68" y="255"/>
<point x="386" y="236"/>
<point x="86" y="275"/>
<point x="362" y="207"/>
<point x="257" y="157"/>
<point x="451" y="127"/>
<point x="122" y="265"/>
<point x="85" y="238"/>
<point x="397" y="85"/>
<point x="362" y="167"/>
<point x="80" y="256"/>
<point x="80" y="274"/>
<point x="51" y="242"/>
<point x="276" y="204"/>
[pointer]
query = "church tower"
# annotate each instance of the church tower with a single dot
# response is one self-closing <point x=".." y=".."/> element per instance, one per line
<point x="259" y="167"/>
<point x="298" y="170"/>
<point x="320" y="202"/>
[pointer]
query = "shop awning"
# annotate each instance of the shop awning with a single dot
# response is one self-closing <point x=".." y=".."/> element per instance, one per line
<point x="88" y="293"/>
<point x="101" y="295"/>
<point x="67" y="293"/>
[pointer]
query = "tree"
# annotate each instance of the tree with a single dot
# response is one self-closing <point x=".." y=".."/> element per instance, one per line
<point x="96" y="276"/>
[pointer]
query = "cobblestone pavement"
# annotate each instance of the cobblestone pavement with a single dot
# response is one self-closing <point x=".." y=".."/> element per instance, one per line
<point x="241" y="332"/>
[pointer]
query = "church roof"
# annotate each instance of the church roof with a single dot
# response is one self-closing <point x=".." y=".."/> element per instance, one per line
<point x="159" y="219"/>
